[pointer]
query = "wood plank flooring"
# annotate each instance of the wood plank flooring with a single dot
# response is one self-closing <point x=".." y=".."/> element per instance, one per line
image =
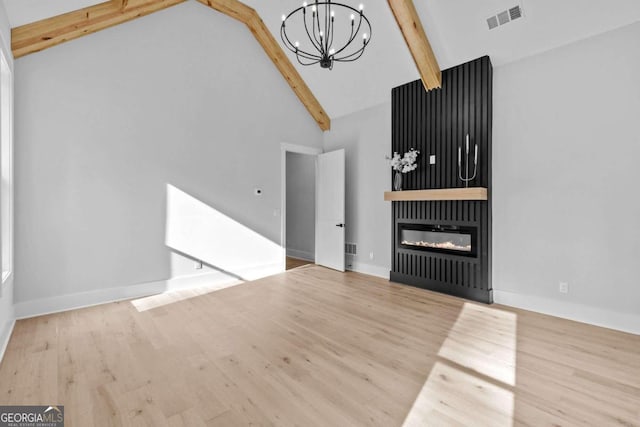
<point x="317" y="347"/>
<point x="296" y="262"/>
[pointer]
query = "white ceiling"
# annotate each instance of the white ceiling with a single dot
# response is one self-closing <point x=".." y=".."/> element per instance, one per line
<point x="457" y="31"/>
<point x="460" y="31"/>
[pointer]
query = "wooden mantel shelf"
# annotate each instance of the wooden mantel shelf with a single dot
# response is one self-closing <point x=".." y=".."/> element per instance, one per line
<point x="471" y="193"/>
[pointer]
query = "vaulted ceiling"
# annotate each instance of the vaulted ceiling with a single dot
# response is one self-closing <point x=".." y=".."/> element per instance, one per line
<point x="457" y="31"/>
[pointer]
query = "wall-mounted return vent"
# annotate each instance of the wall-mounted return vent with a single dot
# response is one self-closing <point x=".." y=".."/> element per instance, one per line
<point x="505" y="17"/>
<point x="350" y="249"/>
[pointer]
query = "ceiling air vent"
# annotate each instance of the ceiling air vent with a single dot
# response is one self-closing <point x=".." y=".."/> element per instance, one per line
<point x="515" y="12"/>
<point x="492" y="22"/>
<point x="504" y="17"/>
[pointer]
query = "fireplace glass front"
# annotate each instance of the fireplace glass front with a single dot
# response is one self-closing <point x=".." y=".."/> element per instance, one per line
<point x="438" y="238"/>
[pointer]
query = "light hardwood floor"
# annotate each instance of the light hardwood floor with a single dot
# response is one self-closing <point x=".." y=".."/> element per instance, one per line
<point x="296" y="262"/>
<point x="316" y="347"/>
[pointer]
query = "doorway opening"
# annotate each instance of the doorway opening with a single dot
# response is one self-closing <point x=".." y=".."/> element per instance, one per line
<point x="299" y="205"/>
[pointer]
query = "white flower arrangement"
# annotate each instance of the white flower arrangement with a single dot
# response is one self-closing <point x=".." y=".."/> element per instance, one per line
<point x="404" y="164"/>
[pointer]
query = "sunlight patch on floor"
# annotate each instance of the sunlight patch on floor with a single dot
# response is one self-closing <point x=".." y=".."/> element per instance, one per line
<point x="472" y="383"/>
<point x="170" y="297"/>
<point x="447" y="389"/>
<point x="483" y="339"/>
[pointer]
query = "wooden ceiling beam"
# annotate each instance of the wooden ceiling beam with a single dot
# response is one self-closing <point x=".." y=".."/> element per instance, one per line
<point x="233" y="8"/>
<point x="50" y="32"/>
<point x="417" y="41"/>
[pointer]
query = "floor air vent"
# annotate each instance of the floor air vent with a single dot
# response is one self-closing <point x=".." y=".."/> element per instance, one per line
<point x="504" y="17"/>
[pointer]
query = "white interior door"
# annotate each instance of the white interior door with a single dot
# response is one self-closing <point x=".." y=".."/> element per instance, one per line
<point x="330" y="210"/>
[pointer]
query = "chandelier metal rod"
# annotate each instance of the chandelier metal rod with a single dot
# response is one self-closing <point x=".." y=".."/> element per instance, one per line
<point x="313" y="38"/>
<point x="314" y="32"/>
<point x="352" y="36"/>
<point x="327" y="26"/>
<point x="332" y="27"/>
<point x="348" y="57"/>
<point x="298" y="51"/>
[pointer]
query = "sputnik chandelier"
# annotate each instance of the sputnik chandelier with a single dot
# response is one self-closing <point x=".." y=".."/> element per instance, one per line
<point x="323" y="42"/>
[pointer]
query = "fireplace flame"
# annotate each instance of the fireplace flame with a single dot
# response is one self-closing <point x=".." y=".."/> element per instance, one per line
<point x="444" y="245"/>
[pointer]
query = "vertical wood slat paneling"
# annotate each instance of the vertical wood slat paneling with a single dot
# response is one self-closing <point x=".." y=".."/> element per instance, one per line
<point x="437" y="122"/>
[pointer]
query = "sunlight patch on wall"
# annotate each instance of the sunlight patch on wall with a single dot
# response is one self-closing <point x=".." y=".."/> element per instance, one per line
<point x="204" y="233"/>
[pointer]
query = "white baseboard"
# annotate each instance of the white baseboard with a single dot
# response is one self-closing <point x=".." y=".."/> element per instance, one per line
<point x="60" y="303"/>
<point x="295" y="253"/>
<point x="371" y="270"/>
<point x="67" y="302"/>
<point x="626" y="322"/>
<point x="5" y="335"/>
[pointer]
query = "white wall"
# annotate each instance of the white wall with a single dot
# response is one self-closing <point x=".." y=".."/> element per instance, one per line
<point x="5" y="32"/>
<point x="566" y="206"/>
<point x="301" y="205"/>
<point x="108" y="124"/>
<point x="366" y="138"/>
<point x="6" y="289"/>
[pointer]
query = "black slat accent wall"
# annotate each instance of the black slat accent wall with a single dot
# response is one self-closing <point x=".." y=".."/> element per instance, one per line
<point x="436" y="122"/>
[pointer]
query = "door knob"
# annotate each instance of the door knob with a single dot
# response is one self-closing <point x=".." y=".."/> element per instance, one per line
<point x="340" y="225"/>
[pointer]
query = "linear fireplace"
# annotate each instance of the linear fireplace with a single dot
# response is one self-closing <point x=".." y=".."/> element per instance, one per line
<point x="448" y="239"/>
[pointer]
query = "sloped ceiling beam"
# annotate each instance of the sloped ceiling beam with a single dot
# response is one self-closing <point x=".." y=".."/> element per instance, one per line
<point x="417" y="41"/>
<point x="52" y="31"/>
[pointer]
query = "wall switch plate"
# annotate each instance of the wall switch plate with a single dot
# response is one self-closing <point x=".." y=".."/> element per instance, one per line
<point x="197" y="265"/>
<point x="432" y="159"/>
<point x="370" y="255"/>
<point x="563" y="288"/>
